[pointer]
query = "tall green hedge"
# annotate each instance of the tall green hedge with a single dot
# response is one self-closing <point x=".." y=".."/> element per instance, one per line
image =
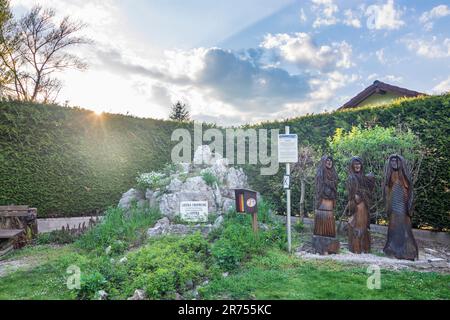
<point x="427" y="117"/>
<point x="68" y="161"/>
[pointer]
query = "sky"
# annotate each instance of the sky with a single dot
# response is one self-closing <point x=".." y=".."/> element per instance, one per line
<point x="235" y="62"/>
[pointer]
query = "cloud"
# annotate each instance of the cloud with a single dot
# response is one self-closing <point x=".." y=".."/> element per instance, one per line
<point x="323" y="89"/>
<point x="351" y="19"/>
<point x="437" y="12"/>
<point x="380" y="56"/>
<point x="302" y="15"/>
<point x="442" y="87"/>
<point x="325" y="13"/>
<point x="429" y="48"/>
<point x="384" y="16"/>
<point x="300" y="49"/>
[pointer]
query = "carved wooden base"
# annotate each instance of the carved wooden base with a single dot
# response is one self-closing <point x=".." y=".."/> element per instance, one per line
<point x="325" y="245"/>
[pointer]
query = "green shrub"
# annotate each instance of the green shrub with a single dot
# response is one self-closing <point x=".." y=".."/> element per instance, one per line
<point x="237" y="242"/>
<point x="119" y="230"/>
<point x="299" y="226"/>
<point x="427" y="117"/>
<point x="209" y="178"/>
<point x="56" y="237"/>
<point x="374" y="146"/>
<point x="90" y="284"/>
<point x="166" y="265"/>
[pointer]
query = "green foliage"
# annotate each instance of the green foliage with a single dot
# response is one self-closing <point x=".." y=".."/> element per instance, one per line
<point x="277" y="275"/>
<point x="118" y="230"/>
<point x="56" y="237"/>
<point x="167" y="265"/>
<point x="209" y="178"/>
<point x="72" y="162"/>
<point x="237" y="242"/>
<point x="427" y="117"/>
<point x="179" y="112"/>
<point x="374" y="146"/>
<point x="90" y="284"/>
<point x="299" y="226"/>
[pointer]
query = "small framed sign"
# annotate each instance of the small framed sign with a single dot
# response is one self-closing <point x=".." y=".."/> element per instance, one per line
<point x="194" y="211"/>
<point x="287" y="148"/>
<point x="286" y="182"/>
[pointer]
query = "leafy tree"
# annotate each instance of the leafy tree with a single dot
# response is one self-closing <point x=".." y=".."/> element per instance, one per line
<point x="5" y="16"/>
<point x="304" y="171"/>
<point x="179" y="112"/>
<point x="374" y="146"/>
<point x="33" y="49"/>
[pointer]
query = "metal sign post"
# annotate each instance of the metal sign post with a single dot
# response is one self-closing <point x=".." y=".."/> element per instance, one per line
<point x="287" y="153"/>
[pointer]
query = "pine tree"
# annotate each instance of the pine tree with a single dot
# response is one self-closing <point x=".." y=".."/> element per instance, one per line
<point x="179" y="112"/>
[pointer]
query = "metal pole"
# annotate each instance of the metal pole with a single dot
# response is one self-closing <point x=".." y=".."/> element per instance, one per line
<point x="288" y="203"/>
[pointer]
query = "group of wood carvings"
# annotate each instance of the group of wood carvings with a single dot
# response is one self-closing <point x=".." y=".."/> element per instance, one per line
<point x="398" y="199"/>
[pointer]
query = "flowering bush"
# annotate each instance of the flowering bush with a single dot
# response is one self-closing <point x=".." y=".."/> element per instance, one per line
<point x="152" y="180"/>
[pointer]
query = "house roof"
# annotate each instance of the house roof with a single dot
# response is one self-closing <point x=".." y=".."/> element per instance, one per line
<point x="379" y="87"/>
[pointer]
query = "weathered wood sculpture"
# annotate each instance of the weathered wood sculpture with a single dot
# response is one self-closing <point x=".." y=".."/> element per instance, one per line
<point x="359" y="188"/>
<point x="324" y="238"/>
<point x="398" y="199"/>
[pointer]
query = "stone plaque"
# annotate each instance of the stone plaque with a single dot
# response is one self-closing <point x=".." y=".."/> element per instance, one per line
<point x="194" y="211"/>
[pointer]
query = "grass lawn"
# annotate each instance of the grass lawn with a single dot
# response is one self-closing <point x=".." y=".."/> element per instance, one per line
<point x="280" y="276"/>
<point x="274" y="275"/>
<point x="258" y="267"/>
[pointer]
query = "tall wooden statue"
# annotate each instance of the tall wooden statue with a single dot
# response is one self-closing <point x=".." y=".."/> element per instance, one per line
<point x="324" y="238"/>
<point x="398" y="199"/>
<point x="359" y="188"/>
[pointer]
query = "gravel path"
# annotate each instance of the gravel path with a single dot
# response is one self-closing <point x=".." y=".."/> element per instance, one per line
<point x="433" y="257"/>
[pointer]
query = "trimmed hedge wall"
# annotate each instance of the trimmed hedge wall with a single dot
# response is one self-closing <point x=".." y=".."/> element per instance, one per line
<point x="427" y="117"/>
<point x="68" y="161"/>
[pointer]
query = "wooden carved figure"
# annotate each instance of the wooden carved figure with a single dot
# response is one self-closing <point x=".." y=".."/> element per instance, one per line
<point x="359" y="188"/>
<point x="398" y="199"/>
<point x="324" y="239"/>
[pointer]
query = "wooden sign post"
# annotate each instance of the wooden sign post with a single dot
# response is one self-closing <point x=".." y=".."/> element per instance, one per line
<point x="246" y="202"/>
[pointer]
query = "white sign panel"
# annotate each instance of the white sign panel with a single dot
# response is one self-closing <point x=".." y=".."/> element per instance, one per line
<point x="286" y="182"/>
<point x="194" y="211"/>
<point x="287" y="148"/>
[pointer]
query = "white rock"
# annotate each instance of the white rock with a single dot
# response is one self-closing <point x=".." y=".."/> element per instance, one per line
<point x="228" y="204"/>
<point x="202" y="156"/>
<point x="218" y="223"/>
<point x="138" y="295"/>
<point x="236" y="179"/>
<point x="185" y="167"/>
<point x="161" y="227"/>
<point x="152" y="198"/>
<point x="130" y="196"/>
<point x="430" y="251"/>
<point x="123" y="260"/>
<point x="175" y="185"/>
<point x="108" y="250"/>
<point x="225" y="274"/>
<point x="102" y="295"/>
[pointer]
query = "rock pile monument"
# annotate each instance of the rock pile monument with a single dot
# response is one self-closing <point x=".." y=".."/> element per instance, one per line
<point x="207" y="184"/>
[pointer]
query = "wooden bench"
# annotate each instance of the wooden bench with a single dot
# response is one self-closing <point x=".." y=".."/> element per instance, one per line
<point x="18" y="226"/>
